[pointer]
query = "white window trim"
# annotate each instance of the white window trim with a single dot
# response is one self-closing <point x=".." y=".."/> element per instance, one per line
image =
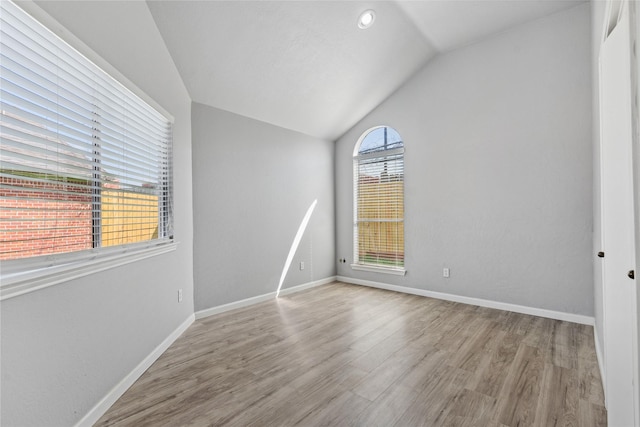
<point x="396" y="271"/>
<point x="49" y="270"/>
<point x="378" y="269"/>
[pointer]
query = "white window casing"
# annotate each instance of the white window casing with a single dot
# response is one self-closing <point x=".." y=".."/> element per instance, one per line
<point x="378" y="180"/>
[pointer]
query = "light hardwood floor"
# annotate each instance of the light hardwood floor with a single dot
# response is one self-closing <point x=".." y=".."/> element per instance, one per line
<point x="349" y="355"/>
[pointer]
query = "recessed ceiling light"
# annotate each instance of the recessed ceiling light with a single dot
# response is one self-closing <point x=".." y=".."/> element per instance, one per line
<point x="366" y="19"/>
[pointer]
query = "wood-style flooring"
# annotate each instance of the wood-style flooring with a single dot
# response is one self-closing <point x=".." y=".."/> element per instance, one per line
<point x="346" y="355"/>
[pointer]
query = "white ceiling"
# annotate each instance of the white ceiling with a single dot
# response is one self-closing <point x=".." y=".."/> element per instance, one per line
<point x="306" y="66"/>
<point x="450" y="24"/>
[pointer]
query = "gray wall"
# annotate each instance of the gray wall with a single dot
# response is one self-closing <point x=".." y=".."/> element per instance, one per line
<point x="597" y="21"/>
<point x="255" y="182"/>
<point x="498" y="168"/>
<point x="65" y="347"/>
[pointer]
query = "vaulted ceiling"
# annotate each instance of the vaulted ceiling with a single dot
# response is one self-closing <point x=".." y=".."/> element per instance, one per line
<point x="306" y="66"/>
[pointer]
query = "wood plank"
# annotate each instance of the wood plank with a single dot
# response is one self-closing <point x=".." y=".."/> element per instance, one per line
<point x="430" y="407"/>
<point x="493" y="377"/>
<point x="558" y="403"/>
<point x="388" y="407"/>
<point x="378" y="380"/>
<point x="522" y="388"/>
<point x="470" y="408"/>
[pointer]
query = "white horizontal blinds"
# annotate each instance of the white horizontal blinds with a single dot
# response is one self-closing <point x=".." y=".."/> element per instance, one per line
<point x="379" y="199"/>
<point x="83" y="161"/>
<point x="131" y="142"/>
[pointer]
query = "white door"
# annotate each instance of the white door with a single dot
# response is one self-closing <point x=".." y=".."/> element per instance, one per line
<point x="618" y="228"/>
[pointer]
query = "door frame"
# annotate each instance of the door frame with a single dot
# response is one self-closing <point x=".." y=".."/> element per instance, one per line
<point x="613" y="15"/>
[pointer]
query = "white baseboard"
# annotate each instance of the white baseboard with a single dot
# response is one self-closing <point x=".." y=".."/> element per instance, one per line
<point x="234" y="305"/>
<point x="307" y="285"/>
<point x="101" y="407"/>
<point x="600" y="357"/>
<point x="541" y="312"/>
<point x="260" y="298"/>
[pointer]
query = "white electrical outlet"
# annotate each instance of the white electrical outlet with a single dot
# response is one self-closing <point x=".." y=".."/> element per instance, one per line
<point x="302" y="265"/>
<point x="179" y="295"/>
<point x="445" y="272"/>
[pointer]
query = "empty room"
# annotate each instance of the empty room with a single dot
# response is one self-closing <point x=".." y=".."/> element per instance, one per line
<point x="346" y="213"/>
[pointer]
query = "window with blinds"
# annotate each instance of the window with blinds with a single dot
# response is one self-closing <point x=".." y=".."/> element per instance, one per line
<point x="84" y="162"/>
<point x="379" y="199"/>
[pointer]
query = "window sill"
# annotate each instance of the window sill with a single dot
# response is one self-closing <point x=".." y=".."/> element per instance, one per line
<point x="376" y="269"/>
<point x="19" y="283"/>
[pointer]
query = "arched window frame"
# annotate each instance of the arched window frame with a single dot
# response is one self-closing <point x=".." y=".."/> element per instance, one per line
<point x="389" y="155"/>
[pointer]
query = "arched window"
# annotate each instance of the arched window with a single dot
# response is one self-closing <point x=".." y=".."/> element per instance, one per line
<point x="378" y="185"/>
